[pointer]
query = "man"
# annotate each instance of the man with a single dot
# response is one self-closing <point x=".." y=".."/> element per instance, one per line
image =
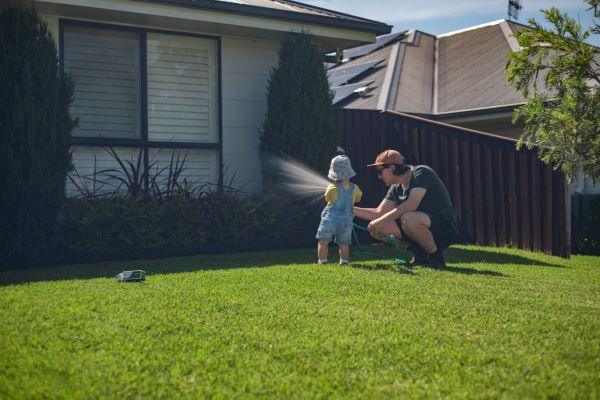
<point x="417" y="209"/>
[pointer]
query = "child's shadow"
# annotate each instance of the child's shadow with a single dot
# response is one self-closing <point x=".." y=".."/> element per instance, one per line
<point x="398" y="268"/>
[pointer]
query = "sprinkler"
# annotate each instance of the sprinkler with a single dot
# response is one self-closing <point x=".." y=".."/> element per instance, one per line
<point x="132" y="276"/>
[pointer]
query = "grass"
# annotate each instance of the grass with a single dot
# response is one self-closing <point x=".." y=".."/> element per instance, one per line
<point x="499" y="323"/>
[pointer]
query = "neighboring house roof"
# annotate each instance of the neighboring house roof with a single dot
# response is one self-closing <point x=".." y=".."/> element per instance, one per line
<point x="423" y="74"/>
<point x="471" y="68"/>
<point x="285" y="9"/>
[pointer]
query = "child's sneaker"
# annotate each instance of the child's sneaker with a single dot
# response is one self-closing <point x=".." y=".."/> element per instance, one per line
<point x="344" y="262"/>
<point x="321" y="261"/>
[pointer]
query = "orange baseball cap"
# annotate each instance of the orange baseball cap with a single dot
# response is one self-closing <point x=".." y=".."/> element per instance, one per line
<point x="388" y="157"/>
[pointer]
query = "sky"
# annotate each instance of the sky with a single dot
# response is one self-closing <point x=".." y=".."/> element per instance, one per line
<point x="443" y="16"/>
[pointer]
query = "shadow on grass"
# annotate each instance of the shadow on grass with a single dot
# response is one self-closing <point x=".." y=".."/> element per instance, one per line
<point x="467" y="256"/>
<point x="201" y="262"/>
<point x="411" y="270"/>
<point x="471" y="271"/>
<point x="264" y="259"/>
<point x="387" y="267"/>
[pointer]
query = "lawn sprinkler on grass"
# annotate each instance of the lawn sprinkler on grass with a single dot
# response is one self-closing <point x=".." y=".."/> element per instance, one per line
<point x="132" y="276"/>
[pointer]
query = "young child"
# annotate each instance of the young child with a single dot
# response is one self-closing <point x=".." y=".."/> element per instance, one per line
<point x="337" y="216"/>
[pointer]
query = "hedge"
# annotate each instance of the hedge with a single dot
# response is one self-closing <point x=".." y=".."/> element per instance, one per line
<point x="123" y="228"/>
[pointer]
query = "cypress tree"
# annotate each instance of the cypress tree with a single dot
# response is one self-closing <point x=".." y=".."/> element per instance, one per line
<point x="35" y="132"/>
<point x="300" y="120"/>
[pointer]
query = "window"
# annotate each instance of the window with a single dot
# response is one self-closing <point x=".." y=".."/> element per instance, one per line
<point x="182" y="89"/>
<point x="142" y="90"/>
<point x="105" y="66"/>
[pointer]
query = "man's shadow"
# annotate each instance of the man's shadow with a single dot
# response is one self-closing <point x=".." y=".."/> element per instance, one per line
<point x="412" y="270"/>
<point x="393" y="267"/>
<point x="468" y="256"/>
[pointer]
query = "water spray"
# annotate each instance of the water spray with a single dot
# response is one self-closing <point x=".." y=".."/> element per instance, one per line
<point x="297" y="178"/>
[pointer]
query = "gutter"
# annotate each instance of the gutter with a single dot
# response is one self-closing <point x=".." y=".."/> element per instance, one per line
<point x="469" y="112"/>
<point x="445" y="125"/>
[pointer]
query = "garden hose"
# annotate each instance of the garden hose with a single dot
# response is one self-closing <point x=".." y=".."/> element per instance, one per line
<point x="403" y="259"/>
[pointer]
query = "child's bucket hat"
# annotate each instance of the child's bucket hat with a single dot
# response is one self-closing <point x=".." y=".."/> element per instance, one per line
<point x="340" y="168"/>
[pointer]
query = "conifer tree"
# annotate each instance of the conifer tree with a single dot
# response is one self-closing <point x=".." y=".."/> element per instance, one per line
<point x="300" y="121"/>
<point x="35" y="132"/>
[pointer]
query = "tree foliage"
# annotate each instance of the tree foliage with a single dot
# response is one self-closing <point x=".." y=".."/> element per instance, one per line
<point x="559" y="74"/>
<point x="300" y="121"/>
<point x="35" y="135"/>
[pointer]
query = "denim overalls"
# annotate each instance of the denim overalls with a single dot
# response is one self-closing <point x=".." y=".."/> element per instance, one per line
<point x="337" y="219"/>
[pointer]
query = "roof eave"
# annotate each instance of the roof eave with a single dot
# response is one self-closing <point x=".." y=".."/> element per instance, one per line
<point x="378" y="28"/>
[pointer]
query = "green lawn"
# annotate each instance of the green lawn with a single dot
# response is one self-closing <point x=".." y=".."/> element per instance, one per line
<point x="498" y="324"/>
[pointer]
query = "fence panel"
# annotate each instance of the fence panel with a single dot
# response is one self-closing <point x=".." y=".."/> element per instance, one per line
<point x="502" y="196"/>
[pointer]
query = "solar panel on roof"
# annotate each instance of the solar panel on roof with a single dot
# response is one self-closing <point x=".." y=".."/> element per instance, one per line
<point x="368" y="48"/>
<point x="343" y="74"/>
<point x="342" y="92"/>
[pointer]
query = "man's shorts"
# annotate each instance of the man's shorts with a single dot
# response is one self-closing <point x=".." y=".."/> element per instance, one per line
<point x="444" y="234"/>
<point x="341" y="230"/>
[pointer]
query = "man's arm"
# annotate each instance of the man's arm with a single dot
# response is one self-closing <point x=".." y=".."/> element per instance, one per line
<point x="373" y="213"/>
<point x="411" y="204"/>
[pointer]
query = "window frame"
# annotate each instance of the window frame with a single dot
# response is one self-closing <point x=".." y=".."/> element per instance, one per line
<point x="143" y="141"/>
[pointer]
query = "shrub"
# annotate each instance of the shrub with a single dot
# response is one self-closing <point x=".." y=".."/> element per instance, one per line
<point x="588" y="238"/>
<point x="35" y="131"/>
<point x="300" y="120"/>
<point x="145" y="227"/>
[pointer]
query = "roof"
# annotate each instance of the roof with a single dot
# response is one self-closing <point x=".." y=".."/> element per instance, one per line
<point x="419" y="73"/>
<point x="471" y="70"/>
<point x="285" y="9"/>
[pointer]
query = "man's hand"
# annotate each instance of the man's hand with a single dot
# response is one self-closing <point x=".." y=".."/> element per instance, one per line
<point x="411" y="204"/>
<point x="374" y="226"/>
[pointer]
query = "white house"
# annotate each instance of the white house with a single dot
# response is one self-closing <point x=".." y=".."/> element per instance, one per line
<point x="189" y="75"/>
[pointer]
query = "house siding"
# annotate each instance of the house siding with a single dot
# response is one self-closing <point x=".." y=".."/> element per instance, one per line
<point x="246" y="65"/>
<point x="52" y="22"/>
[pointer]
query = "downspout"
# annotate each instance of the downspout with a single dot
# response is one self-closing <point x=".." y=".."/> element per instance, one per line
<point x="434" y="86"/>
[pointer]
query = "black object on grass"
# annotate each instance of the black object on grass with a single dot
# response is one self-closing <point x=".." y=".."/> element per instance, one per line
<point x="132" y="276"/>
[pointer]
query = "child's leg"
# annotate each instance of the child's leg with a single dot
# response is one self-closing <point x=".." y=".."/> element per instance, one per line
<point x="343" y="240"/>
<point x="322" y="250"/>
<point x="324" y="236"/>
<point x="344" y="253"/>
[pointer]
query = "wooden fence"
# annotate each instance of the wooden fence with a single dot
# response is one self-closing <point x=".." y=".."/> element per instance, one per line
<point x="502" y="196"/>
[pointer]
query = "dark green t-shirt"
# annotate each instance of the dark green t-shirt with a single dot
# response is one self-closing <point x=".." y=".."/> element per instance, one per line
<point x="436" y="201"/>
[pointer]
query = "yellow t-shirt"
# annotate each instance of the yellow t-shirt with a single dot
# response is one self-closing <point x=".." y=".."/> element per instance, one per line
<point x="332" y="193"/>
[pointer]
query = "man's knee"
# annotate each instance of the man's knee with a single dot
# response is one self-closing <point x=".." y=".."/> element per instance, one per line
<point x="408" y="221"/>
<point x="412" y="220"/>
<point x="389" y="228"/>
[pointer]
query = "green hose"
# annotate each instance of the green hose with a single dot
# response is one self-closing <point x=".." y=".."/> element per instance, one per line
<point x="392" y="241"/>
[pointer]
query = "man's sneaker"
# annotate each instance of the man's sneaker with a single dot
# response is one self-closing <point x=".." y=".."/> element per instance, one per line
<point x="419" y="256"/>
<point x="436" y="260"/>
